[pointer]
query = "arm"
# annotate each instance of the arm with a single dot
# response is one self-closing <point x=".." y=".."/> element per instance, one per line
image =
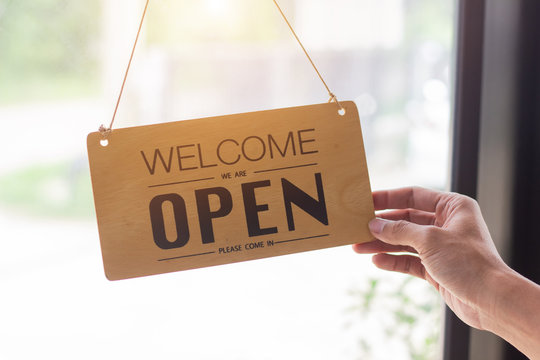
<point x="515" y="312"/>
<point x="452" y="249"/>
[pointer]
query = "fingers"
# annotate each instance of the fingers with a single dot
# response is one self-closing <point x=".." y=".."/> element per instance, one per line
<point x="407" y="198"/>
<point x="402" y="232"/>
<point x="406" y="264"/>
<point x="411" y="215"/>
<point x="378" y="246"/>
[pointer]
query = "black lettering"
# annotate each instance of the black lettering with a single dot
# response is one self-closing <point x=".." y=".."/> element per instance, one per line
<point x="184" y="157"/>
<point x="201" y="158"/>
<point x="157" y="154"/>
<point x="206" y="215"/>
<point x="290" y="139"/>
<point x="158" y="222"/>
<point x="252" y="209"/>
<point x="219" y="153"/>
<point x="244" y="148"/>
<point x="315" y="208"/>
<point x="301" y="142"/>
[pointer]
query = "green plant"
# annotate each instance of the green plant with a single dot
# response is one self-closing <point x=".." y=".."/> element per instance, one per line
<point x="54" y="190"/>
<point x="47" y="49"/>
<point x="404" y="315"/>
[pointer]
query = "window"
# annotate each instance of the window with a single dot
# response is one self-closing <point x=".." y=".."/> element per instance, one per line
<point x="61" y="65"/>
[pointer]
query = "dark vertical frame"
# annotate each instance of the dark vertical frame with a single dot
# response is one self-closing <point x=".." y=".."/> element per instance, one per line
<point x="525" y="245"/>
<point x="466" y="136"/>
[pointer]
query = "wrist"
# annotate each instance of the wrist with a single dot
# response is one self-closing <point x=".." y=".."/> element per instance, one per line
<point x="510" y="309"/>
<point x="496" y="294"/>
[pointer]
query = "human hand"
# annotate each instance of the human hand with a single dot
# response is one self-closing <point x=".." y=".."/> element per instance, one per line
<point x="453" y="247"/>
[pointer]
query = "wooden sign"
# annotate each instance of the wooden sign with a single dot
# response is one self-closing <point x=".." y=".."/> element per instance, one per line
<point x="219" y="190"/>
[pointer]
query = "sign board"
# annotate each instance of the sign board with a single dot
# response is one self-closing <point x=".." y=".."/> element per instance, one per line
<point x="225" y="189"/>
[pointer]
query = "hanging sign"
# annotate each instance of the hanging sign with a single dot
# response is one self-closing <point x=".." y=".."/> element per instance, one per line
<point x="225" y="189"/>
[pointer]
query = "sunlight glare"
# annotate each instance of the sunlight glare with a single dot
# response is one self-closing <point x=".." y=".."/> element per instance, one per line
<point x="216" y="7"/>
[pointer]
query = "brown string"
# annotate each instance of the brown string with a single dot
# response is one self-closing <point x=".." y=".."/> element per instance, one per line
<point x="105" y="131"/>
<point x="102" y="129"/>
<point x="332" y="96"/>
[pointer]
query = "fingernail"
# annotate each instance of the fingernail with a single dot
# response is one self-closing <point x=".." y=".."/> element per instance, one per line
<point x="376" y="225"/>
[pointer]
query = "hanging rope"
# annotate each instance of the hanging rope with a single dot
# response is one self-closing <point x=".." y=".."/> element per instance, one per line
<point x="105" y="131"/>
<point x="102" y="129"/>
<point x="330" y="93"/>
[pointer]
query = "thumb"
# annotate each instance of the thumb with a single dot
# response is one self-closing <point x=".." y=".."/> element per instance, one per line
<point x="399" y="232"/>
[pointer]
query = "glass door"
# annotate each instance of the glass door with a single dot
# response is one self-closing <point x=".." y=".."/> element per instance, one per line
<point x="61" y="65"/>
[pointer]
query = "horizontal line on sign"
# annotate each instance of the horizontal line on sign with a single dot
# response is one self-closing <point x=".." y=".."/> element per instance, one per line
<point x="304" y="238"/>
<point x="285" y="168"/>
<point x="182" y="182"/>
<point x="186" y="256"/>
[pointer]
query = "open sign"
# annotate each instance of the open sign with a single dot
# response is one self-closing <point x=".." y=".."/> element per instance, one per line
<point x="212" y="191"/>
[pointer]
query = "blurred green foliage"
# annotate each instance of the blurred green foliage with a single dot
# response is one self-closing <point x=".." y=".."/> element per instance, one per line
<point x="408" y="314"/>
<point x="54" y="190"/>
<point x="47" y="49"/>
<point x="429" y="20"/>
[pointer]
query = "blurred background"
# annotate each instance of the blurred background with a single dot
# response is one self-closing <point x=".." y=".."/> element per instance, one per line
<point x="61" y="66"/>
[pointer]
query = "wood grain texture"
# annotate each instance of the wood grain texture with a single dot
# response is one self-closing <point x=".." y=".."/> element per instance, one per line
<point x="302" y="166"/>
